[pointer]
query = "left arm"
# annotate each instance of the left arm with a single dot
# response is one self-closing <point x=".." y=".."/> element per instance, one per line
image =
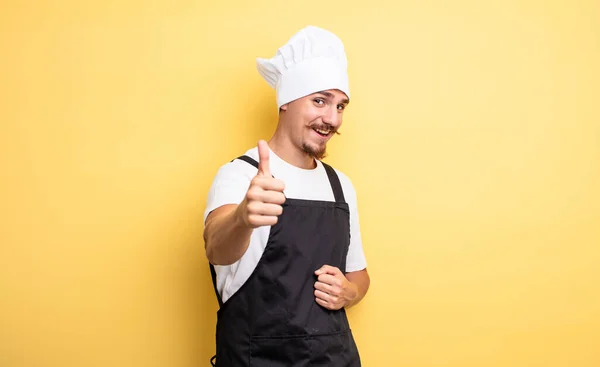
<point x="334" y="290"/>
<point x="362" y="281"/>
<point x="337" y="288"/>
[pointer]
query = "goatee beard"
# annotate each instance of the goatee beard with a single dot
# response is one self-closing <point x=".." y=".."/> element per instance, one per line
<point x="315" y="153"/>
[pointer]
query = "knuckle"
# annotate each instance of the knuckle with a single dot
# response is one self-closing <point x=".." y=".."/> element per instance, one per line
<point x="281" y="198"/>
<point x="261" y="182"/>
<point x="255" y="181"/>
<point x="252" y="220"/>
<point x="252" y="193"/>
<point x="252" y="207"/>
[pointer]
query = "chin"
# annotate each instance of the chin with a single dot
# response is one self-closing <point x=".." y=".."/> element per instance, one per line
<point x="317" y="152"/>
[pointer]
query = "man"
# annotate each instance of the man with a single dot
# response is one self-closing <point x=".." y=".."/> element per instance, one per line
<point x="281" y="227"/>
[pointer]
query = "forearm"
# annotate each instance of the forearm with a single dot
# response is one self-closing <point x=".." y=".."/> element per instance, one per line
<point x="226" y="236"/>
<point x="361" y="281"/>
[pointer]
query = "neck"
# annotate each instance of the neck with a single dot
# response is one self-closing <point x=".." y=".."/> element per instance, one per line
<point x="281" y="145"/>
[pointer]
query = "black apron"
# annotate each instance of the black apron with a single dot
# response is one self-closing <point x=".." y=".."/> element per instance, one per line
<point x="273" y="320"/>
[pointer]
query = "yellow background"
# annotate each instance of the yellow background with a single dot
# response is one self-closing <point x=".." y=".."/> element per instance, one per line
<point x="473" y="140"/>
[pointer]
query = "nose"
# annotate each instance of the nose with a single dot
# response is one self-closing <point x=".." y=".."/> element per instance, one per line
<point x="332" y="116"/>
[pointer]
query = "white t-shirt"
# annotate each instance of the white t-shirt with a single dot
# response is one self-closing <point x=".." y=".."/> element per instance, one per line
<point x="229" y="187"/>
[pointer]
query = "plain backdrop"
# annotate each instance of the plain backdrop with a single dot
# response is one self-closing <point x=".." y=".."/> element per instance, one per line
<point x="472" y="138"/>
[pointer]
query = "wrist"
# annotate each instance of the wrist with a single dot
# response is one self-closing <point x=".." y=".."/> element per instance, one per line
<point x="351" y="293"/>
<point x="239" y="217"/>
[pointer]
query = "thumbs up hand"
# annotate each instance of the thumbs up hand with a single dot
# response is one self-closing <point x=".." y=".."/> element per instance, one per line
<point x="262" y="203"/>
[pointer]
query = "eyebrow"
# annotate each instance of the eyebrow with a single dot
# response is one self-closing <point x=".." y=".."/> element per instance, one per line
<point x="330" y="95"/>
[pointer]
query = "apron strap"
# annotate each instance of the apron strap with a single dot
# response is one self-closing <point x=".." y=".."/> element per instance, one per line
<point x="248" y="159"/>
<point x="334" y="180"/>
<point x="213" y="275"/>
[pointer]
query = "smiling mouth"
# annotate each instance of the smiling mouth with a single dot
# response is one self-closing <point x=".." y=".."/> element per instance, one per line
<point x="323" y="132"/>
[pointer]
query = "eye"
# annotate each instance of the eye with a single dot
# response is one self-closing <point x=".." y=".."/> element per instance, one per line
<point x="341" y="107"/>
<point x="319" y="101"/>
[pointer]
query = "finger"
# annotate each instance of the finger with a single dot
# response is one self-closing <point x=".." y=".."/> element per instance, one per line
<point x="326" y="300"/>
<point x="325" y="288"/>
<point x="268" y="183"/>
<point x="324" y="304"/>
<point x="330" y="280"/>
<point x="263" y="159"/>
<point x="258" y="220"/>
<point x="328" y="269"/>
<point x="272" y="197"/>
<point x="265" y="209"/>
<point x="323" y="296"/>
<point x="262" y="196"/>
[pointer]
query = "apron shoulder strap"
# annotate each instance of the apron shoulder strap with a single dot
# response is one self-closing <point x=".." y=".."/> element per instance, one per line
<point x="334" y="180"/>
<point x="250" y="160"/>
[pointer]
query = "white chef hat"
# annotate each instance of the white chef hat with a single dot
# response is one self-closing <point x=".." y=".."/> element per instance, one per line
<point x="311" y="61"/>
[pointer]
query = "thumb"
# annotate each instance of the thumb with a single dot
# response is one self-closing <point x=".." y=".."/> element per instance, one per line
<point x="263" y="158"/>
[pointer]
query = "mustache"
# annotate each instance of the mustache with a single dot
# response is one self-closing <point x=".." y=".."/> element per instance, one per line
<point x="326" y="126"/>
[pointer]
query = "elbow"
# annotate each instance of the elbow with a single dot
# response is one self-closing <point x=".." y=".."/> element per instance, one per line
<point x="215" y="258"/>
<point x="210" y="254"/>
<point x="365" y="281"/>
<point x="208" y="248"/>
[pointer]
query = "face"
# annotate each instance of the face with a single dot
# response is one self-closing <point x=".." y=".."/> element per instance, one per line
<point x="312" y="120"/>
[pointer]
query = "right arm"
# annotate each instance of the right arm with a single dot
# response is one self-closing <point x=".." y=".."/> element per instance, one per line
<point x="228" y="228"/>
<point x="226" y="236"/>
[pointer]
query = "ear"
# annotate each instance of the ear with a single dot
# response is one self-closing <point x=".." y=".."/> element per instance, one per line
<point x="284" y="107"/>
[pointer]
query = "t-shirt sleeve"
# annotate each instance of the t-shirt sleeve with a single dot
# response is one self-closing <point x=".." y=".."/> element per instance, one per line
<point x="355" y="259"/>
<point x="229" y="185"/>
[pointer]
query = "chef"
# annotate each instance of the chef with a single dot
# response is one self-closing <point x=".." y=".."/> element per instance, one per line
<point x="282" y="231"/>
